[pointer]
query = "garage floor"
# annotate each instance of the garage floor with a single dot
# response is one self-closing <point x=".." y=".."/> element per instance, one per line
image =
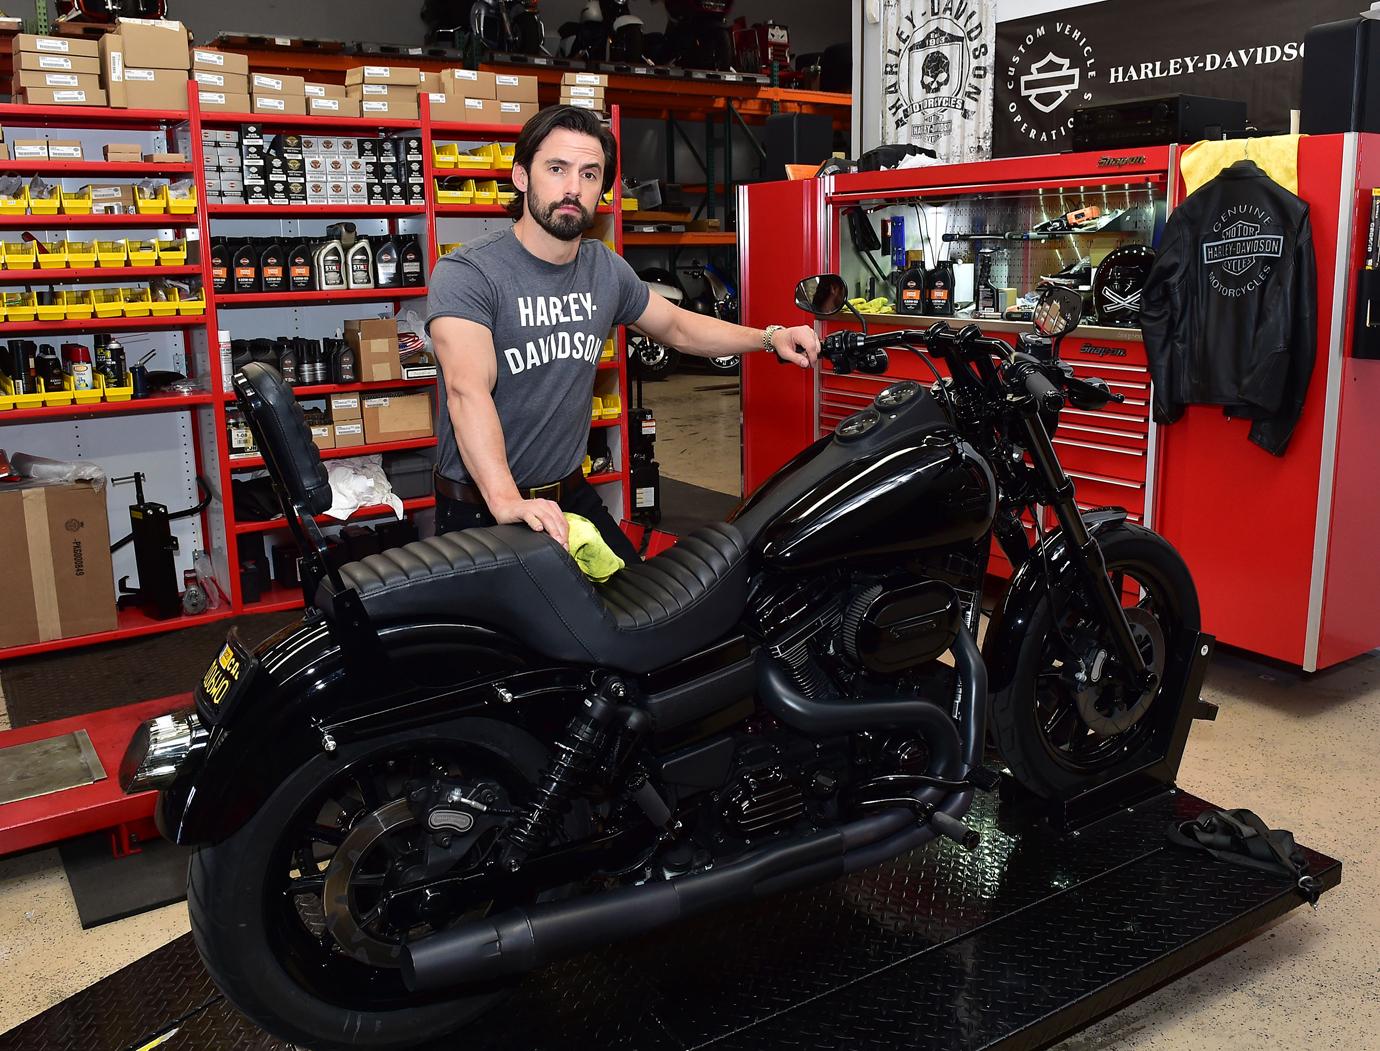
<point x="1299" y="750"/>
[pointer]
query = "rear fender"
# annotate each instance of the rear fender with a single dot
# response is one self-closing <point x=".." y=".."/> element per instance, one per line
<point x="302" y="701"/>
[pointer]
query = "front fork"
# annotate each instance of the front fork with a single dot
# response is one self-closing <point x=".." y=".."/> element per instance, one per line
<point x="1131" y="666"/>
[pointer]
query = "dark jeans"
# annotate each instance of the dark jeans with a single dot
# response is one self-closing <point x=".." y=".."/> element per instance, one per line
<point x="459" y="514"/>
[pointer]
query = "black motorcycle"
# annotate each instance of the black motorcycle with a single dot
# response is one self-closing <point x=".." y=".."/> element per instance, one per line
<point x="466" y="760"/>
<point x="697" y="35"/>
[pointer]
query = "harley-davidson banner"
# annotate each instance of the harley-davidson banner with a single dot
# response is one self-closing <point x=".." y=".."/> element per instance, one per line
<point x="937" y="76"/>
<point x="1046" y="66"/>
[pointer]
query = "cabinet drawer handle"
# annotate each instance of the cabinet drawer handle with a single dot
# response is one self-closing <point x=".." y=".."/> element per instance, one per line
<point x="1106" y="481"/>
<point x="1098" y="448"/>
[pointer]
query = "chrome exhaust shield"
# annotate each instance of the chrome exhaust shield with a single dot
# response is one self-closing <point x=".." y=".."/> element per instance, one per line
<point x="159" y="748"/>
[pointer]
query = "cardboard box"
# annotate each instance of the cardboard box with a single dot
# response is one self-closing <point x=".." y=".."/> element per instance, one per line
<point x="348" y="435"/>
<point x="345" y="408"/>
<point x="64" y="97"/>
<point x="160" y="158"/>
<point x="73" y="47"/>
<point x="112" y="60"/>
<point x="332" y="107"/>
<point x="124" y="152"/>
<point x="276" y="84"/>
<point x="513" y="87"/>
<point x="46" y="63"/>
<point x="224" y="102"/>
<point x="323" y="437"/>
<point x="516" y="112"/>
<point x="446" y="107"/>
<point x="59" y="580"/>
<point x="397" y="417"/>
<point x="155" y="88"/>
<point x="481" y="111"/>
<point x="584" y="104"/>
<point x="325" y="91"/>
<point x="65" y="150"/>
<point x="389" y="109"/>
<point x="387" y="92"/>
<point x="407" y="75"/>
<point x="600" y="80"/>
<point x="375" y="340"/>
<point x="30" y="149"/>
<point x="111" y="198"/>
<point x="431" y="82"/>
<point x="236" y="83"/>
<point x="209" y="58"/>
<point x="28" y="78"/>
<point x="294" y="105"/>
<point x="468" y="83"/>
<point x="581" y="91"/>
<point x="155" y="43"/>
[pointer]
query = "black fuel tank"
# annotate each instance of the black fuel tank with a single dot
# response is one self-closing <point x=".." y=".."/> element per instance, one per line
<point x="922" y="492"/>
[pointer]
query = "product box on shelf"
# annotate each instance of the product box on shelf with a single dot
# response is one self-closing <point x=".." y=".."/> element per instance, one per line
<point x="598" y="80"/>
<point x="581" y="91"/>
<point x="324" y="91"/>
<point x="348" y="433"/>
<point x="387" y="92"/>
<point x="516" y="112"/>
<point x="214" y="79"/>
<point x="332" y="107"/>
<point x="62" y="97"/>
<point x="513" y="87"/>
<point x="220" y="61"/>
<point x="323" y="436"/>
<point x="123" y="152"/>
<point x="29" y="78"/>
<point x="345" y="407"/>
<point x="431" y="82"/>
<point x="58" y="571"/>
<point x="155" y="43"/>
<point x="111" y="198"/>
<point x="396" y="417"/>
<point x="276" y="84"/>
<point x="408" y="75"/>
<point x="481" y="111"/>
<point x="447" y="107"/>
<point x="65" y="150"/>
<point x="593" y="104"/>
<point x="469" y="84"/>
<point x="223" y="102"/>
<point x="164" y="89"/>
<point x="389" y="109"/>
<point x="294" y="105"/>
<point x="72" y="47"/>
<point x="30" y="149"/>
<point x="375" y="343"/>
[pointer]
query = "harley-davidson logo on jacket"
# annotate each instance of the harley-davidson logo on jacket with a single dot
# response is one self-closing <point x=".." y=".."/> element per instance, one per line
<point x="1229" y="311"/>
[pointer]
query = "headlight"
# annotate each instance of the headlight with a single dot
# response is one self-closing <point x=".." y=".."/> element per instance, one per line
<point x="158" y="749"/>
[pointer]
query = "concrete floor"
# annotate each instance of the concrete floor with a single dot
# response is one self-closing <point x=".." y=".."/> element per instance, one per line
<point x="1299" y="750"/>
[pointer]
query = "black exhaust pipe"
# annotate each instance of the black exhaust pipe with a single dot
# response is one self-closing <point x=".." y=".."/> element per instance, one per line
<point x="523" y="938"/>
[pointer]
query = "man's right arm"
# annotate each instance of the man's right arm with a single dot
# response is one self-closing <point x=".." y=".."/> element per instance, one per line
<point x="466" y="353"/>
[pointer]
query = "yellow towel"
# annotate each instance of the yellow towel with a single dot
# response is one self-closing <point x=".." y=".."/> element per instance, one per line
<point x="1277" y="156"/>
<point x="587" y="547"/>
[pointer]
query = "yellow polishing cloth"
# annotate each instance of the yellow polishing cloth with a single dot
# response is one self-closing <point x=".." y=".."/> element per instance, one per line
<point x="1276" y="155"/>
<point x="587" y="547"/>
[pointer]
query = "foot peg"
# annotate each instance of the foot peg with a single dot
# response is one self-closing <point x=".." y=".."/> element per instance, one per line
<point x="954" y="829"/>
<point x="984" y="778"/>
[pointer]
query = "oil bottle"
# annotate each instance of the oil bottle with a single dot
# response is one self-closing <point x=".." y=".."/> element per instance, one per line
<point x="220" y="266"/>
<point x="299" y="264"/>
<point x="245" y="267"/>
<point x="910" y="286"/>
<point x="272" y="269"/>
<point x="411" y="262"/>
<point x="939" y="289"/>
<point x="359" y="264"/>
<point x="387" y="272"/>
<point x="328" y="262"/>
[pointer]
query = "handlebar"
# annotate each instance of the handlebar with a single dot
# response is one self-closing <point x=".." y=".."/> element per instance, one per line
<point x="1047" y="396"/>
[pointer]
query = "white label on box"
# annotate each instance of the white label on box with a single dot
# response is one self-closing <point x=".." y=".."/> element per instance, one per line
<point x="376" y="71"/>
<point x="69" y="96"/>
<point x="267" y="103"/>
<point x="320" y="432"/>
<point x="117" y="67"/>
<point x="57" y="61"/>
<point x="373" y="107"/>
<point x="510" y="107"/>
<point x="283" y="41"/>
<point x="474" y="103"/>
<point x="215" y="58"/>
<point x="375" y="89"/>
<point x="437" y="99"/>
<point x="61" y="80"/>
<point x="315" y="91"/>
<point x="645" y="497"/>
<point x="271" y="83"/>
<point x="588" y="78"/>
<point x="376" y="403"/>
<point x="348" y="428"/>
<point x="26" y="152"/>
<point x="576" y="91"/>
<point x="583" y="103"/>
<point x="320" y="104"/>
<point x="350" y="402"/>
<point x="64" y="153"/>
<point x="465" y="74"/>
<point x="48" y="43"/>
<point x="206" y="76"/>
<point x="508" y="80"/>
<point x="140" y="74"/>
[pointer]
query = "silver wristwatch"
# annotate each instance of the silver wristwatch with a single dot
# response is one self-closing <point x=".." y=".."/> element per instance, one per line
<point x="767" y="334"/>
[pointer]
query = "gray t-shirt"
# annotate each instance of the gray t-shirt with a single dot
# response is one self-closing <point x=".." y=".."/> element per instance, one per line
<point x="549" y="323"/>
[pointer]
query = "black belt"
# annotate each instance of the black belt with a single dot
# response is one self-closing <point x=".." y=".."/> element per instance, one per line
<point x="470" y="494"/>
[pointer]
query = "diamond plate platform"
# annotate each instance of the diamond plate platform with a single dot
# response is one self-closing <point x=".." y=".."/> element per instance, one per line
<point x="1013" y="947"/>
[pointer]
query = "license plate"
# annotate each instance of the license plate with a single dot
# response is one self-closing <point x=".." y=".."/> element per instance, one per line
<point x="227" y="676"/>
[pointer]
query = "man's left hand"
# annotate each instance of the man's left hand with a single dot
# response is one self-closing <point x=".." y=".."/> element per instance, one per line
<point x="798" y="345"/>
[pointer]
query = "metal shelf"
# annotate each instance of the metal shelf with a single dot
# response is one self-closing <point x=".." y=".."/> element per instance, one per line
<point x="294" y="211"/>
<point x="240" y="463"/>
<point x="131" y="623"/>
<point x="316" y="390"/>
<point x="106" y="324"/>
<point x="297" y="299"/>
<point x="162" y="403"/>
<point x="54" y="222"/>
<point x="97" y="168"/>
<point x="61" y="275"/>
<point x="691" y="237"/>
<point x="607" y="476"/>
<point x="420" y="503"/>
<point x="287" y="120"/>
<point x="21" y="116"/>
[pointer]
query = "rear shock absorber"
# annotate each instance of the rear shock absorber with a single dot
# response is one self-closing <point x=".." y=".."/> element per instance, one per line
<point x="576" y="755"/>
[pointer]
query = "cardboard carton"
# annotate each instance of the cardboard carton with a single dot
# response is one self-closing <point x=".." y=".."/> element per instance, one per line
<point x="155" y="88"/>
<point x="389" y="109"/>
<point x="224" y="102"/>
<point x="323" y="437"/>
<point x="581" y="91"/>
<point x="408" y="75"/>
<point x="516" y="112"/>
<point x="348" y="435"/>
<point x="27" y="78"/>
<point x="59" y="580"/>
<point x="447" y="107"/>
<point x="387" y="92"/>
<point x="513" y="87"/>
<point x="64" y="97"/>
<point x="481" y="111"/>
<point x="468" y="83"/>
<point x="215" y="80"/>
<point x="345" y="408"/>
<point x="155" y="43"/>
<point x="599" y="80"/>
<point x="46" y="63"/>
<point x="65" y="150"/>
<point x="220" y="61"/>
<point x="584" y="104"/>
<point x="30" y="149"/>
<point x="332" y="107"/>
<point x="123" y="152"/>
<point x="397" y="417"/>
<point x="375" y="342"/>
<point x="276" y="84"/>
<point x="111" y="198"/>
<point x="431" y="84"/>
<point x="296" y="105"/>
<point x="324" y="91"/>
<point x="73" y="47"/>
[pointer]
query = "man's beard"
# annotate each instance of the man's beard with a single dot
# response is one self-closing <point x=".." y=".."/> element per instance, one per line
<point x="561" y="226"/>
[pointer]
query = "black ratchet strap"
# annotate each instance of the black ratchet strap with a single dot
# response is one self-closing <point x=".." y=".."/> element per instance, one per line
<point x="1239" y="837"/>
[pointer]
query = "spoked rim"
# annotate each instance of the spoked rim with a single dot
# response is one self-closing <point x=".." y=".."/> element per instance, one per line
<point x="1084" y="719"/>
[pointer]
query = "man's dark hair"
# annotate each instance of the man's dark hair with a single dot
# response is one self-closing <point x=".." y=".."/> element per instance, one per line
<point x="571" y="118"/>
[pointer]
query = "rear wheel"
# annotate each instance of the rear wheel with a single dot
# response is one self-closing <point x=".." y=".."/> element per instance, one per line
<point x="302" y="914"/>
<point x="651" y="360"/>
<point x="1065" y="721"/>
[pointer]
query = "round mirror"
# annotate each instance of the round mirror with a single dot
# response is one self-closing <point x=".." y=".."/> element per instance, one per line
<point x="1058" y="310"/>
<point x="822" y="295"/>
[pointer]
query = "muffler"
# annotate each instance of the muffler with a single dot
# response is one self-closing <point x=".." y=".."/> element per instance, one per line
<point x="524" y="938"/>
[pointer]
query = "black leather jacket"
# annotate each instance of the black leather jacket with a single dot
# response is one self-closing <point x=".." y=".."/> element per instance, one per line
<point x="1229" y="310"/>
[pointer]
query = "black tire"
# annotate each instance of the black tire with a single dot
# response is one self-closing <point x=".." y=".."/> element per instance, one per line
<point x="727" y="365"/>
<point x="246" y="936"/>
<point x="1050" y="749"/>
<point x="651" y="360"/>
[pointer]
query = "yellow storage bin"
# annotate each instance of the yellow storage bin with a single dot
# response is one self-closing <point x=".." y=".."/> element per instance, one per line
<point x="629" y="204"/>
<point x="470" y="160"/>
<point x="194" y="305"/>
<point x="53" y="310"/>
<point x="112" y="254"/>
<point x="77" y="304"/>
<point x="164" y="307"/>
<point x="86" y="397"/>
<point x="489" y="154"/>
<point x="445" y="154"/>
<point x="183" y="203"/>
<point x="16" y="205"/>
<point x="141" y="253"/>
<point x="21" y="306"/>
<point x="114" y="393"/>
<point x="454" y="190"/>
<point x="6" y="400"/>
<point x="45" y="205"/>
<point x="151" y="202"/>
<point x="506" y="193"/>
<point x="137" y="301"/>
<point x="610" y="349"/>
<point x="172" y="253"/>
<point x="64" y="396"/>
<point x="21" y="255"/>
<point x="81" y="255"/>
<point x="53" y="256"/>
<point x="23" y="401"/>
<point x="613" y="406"/>
<point x="485" y="191"/>
<point x="76" y="202"/>
<point x="506" y="152"/>
<point x="596" y="411"/>
<point x="108" y="302"/>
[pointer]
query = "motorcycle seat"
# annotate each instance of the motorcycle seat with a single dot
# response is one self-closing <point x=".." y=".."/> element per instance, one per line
<point x="521" y="582"/>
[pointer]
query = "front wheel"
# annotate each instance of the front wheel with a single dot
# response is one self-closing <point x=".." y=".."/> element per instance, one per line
<point x="1063" y="721"/>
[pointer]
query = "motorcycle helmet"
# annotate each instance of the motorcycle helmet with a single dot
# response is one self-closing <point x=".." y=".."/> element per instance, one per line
<point x="1118" y="283"/>
<point x="664" y="283"/>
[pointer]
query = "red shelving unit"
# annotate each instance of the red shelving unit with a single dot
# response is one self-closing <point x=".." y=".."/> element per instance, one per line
<point x="18" y="116"/>
<point x="373" y="511"/>
<point x="132" y="623"/>
<point x="276" y="599"/>
<point x="296" y="211"/>
<point x="449" y="131"/>
<point x="605" y="423"/>
<point x="355" y="124"/>
<point x="169" y="403"/>
<point x="240" y="463"/>
<point x="296" y="299"/>
<point x="62" y="276"/>
<point x="381" y="386"/>
<point x="107" y="324"/>
<point x="89" y="222"/>
<point x="607" y="476"/>
<point x="477" y="211"/>
<point x="97" y="168"/>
